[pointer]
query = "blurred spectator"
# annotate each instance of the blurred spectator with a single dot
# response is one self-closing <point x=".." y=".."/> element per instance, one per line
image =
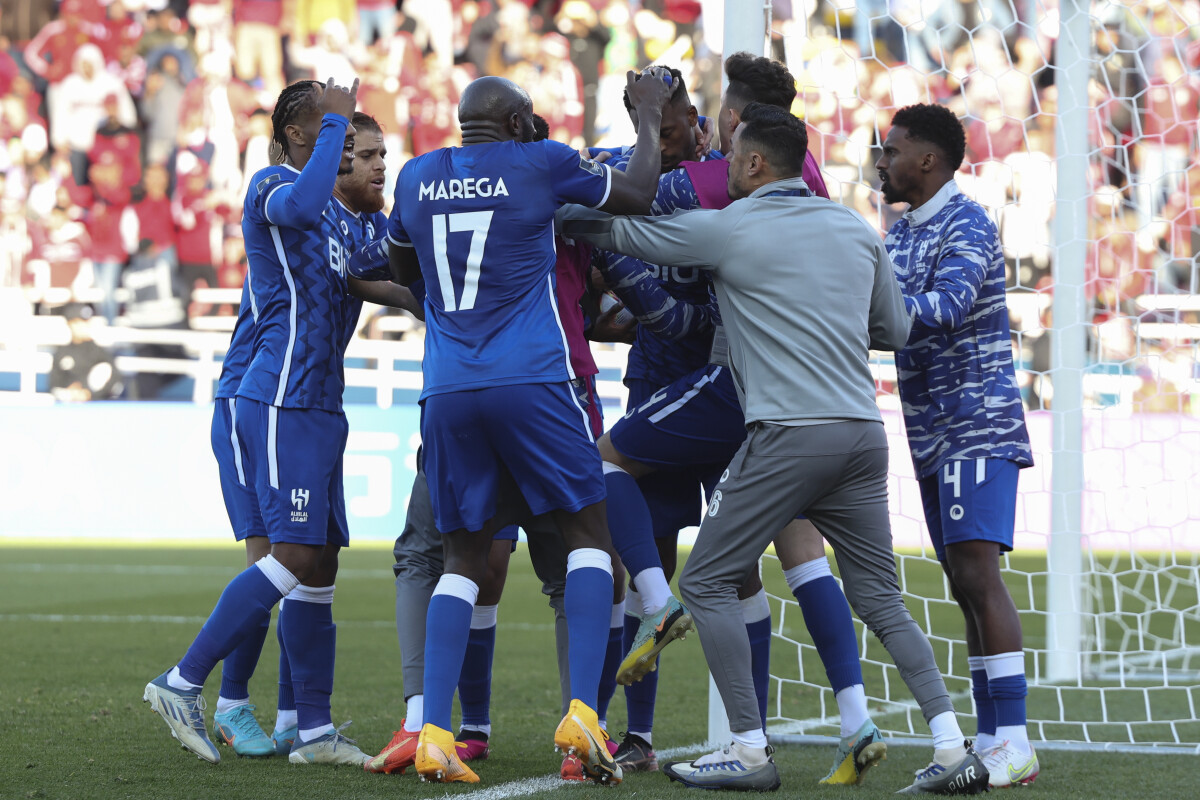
<point x="50" y="54"/>
<point x="579" y="22"/>
<point x="83" y="370"/>
<point x="162" y="102"/>
<point x="198" y="215"/>
<point x="78" y="107"/>
<point x="312" y="15"/>
<point x="215" y="110"/>
<point x="376" y="21"/>
<point x="59" y="251"/>
<point x="257" y="25"/>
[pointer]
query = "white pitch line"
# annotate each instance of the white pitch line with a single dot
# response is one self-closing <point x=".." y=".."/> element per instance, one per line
<point x="528" y="786"/>
<point x="134" y="619"/>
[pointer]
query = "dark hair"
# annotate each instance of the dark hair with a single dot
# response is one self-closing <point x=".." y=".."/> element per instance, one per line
<point x="755" y="79"/>
<point x="363" y="121"/>
<point x="936" y="125"/>
<point x="295" y="101"/>
<point x="541" y="128"/>
<point x="781" y="137"/>
<point x="679" y="95"/>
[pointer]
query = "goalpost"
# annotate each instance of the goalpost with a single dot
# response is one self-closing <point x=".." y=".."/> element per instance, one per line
<point x="1106" y="570"/>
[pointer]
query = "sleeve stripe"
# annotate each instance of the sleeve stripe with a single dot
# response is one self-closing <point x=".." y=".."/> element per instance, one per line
<point x="397" y="242"/>
<point x="607" y="185"/>
<point x="267" y="199"/>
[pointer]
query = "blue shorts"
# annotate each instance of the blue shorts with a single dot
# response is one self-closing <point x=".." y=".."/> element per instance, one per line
<point x="971" y="500"/>
<point x="538" y="432"/>
<point x="237" y="485"/>
<point x="295" y="458"/>
<point x="690" y="431"/>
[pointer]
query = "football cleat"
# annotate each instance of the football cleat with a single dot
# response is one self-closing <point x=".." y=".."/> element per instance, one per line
<point x="399" y="753"/>
<point x="572" y="767"/>
<point x="856" y="754"/>
<point x="472" y="745"/>
<point x="239" y="729"/>
<point x="285" y="739"/>
<point x="734" y="768"/>
<point x="437" y="760"/>
<point x="968" y="776"/>
<point x="1008" y="766"/>
<point x="183" y="712"/>
<point x="331" y="748"/>
<point x="579" y="734"/>
<point x="654" y="633"/>
<point x="635" y="755"/>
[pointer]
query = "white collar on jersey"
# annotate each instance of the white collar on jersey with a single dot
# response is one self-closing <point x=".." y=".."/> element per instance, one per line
<point x="348" y="208"/>
<point x="289" y="166"/>
<point x="926" y="212"/>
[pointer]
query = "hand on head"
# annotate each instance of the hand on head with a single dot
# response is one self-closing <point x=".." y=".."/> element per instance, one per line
<point x="648" y="96"/>
<point x="338" y="99"/>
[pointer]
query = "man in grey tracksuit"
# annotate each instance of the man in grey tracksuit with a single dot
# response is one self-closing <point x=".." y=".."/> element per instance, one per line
<point x="805" y="289"/>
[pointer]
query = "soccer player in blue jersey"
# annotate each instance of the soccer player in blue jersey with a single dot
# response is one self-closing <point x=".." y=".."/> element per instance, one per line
<point x="476" y="223"/>
<point x="361" y="192"/>
<point x="291" y="422"/>
<point x="962" y="410"/>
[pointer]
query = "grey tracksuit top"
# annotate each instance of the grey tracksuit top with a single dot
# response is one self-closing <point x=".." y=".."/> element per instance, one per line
<point x="805" y="288"/>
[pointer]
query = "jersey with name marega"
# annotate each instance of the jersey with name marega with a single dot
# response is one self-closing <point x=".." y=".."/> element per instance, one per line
<point x="481" y="218"/>
<point x="958" y="386"/>
<point x="297" y="245"/>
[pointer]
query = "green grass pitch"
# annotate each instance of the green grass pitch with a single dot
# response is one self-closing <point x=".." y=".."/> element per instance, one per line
<point x="82" y="629"/>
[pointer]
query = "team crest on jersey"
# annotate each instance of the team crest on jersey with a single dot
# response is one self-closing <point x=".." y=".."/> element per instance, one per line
<point x="267" y="181"/>
<point x="300" y="499"/>
<point x="345" y="228"/>
<point x="590" y="166"/>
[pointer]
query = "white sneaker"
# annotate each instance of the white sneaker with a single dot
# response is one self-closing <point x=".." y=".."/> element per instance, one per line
<point x="332" y="748"/>
<point x="735" y="767"/>
<point x="1008" y="766"/>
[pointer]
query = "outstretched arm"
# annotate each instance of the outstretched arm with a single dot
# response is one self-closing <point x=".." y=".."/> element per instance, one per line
<point x="299" y="204"/>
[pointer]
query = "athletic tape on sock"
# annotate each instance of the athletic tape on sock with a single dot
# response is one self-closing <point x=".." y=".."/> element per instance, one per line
<point x="279" y="575"/>
<point x="808" y="571"/>
<point x="484" y="617"/>
<point x="321" y="595"/>
<point x="1002" y="665"/>
<point x="618" y="613"/>
<point x="457" y="586"/>
<point x="589" y="557"/>
<point x="756" y="608"/>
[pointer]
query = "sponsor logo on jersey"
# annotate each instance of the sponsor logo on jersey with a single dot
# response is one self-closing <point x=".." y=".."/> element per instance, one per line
<point x="465" y="189"/>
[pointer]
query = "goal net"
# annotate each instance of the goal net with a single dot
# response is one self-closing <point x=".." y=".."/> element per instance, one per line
<point x="1101" y="257"/>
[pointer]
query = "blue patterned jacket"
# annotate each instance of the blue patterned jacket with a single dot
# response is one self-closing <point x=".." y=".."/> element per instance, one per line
<point x="958" y="386"/>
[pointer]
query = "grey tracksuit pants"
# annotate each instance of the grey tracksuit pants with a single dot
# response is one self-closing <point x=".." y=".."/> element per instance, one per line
<point x="836" y="475"/>
<point x="419" y="565"/>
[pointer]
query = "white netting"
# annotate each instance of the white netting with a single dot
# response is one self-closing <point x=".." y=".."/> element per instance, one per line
<point x="1138" y="655"/>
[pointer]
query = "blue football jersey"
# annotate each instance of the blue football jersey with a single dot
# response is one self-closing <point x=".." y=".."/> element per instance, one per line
<point x="653" y="358"/>
<point x="241" y="347"/>
<point x="298" y="287"/>
<point x="482" y="220"/>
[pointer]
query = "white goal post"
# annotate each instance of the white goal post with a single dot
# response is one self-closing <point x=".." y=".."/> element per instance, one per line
<point x="1106" y="570"/>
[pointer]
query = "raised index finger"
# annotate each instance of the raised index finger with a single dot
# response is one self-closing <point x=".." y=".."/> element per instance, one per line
<point x="354" y="88"/>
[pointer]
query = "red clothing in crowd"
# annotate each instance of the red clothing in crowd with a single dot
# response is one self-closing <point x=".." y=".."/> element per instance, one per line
<point x="50" y="53"/>
<point x="156" y="222"/>
<point x="267" y="12"/>
<point x="125" y="147"/>
<point x="63" y="245"/>
<point x="104" y="227"/>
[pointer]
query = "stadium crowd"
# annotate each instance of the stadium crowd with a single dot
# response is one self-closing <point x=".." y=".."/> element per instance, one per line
<point x="128" y="127"/>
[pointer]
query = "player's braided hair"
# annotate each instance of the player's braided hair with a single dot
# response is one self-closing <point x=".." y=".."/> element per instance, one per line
<point x="756" y="79"/>
<point x="936" y="125"/>
<point x="295" y="101"/>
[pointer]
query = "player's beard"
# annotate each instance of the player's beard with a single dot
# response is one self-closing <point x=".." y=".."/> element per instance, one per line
<point x="891" y="194"/>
